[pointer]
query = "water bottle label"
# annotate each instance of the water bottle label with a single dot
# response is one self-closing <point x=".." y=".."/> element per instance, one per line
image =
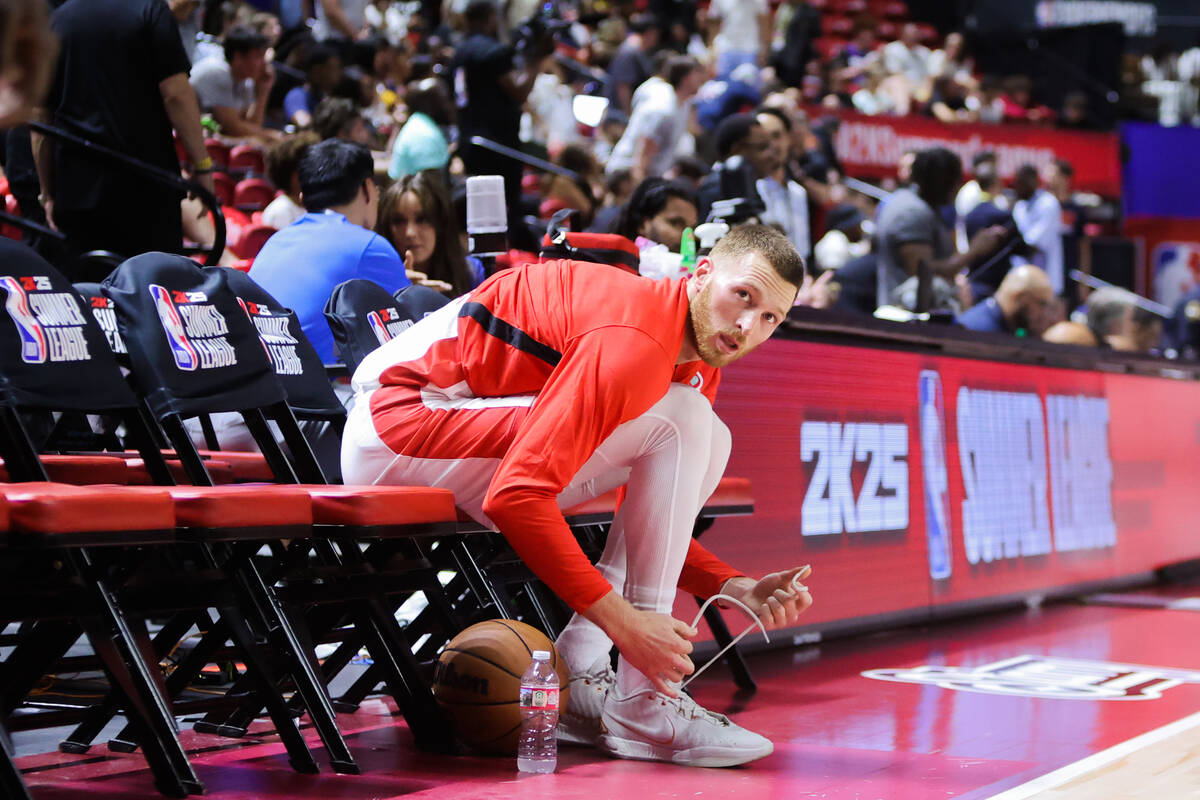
<point x="539" y="697"/>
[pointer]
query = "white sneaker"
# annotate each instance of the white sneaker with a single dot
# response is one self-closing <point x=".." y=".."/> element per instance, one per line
<point x="579" y="722"/>
<point x="649" y="726"/>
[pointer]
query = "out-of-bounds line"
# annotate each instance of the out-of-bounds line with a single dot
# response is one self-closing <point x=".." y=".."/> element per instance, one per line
<point x="1052" y="780"/>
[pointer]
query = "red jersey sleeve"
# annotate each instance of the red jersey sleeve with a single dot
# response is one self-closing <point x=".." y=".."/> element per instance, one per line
<point x="606" y="377"/>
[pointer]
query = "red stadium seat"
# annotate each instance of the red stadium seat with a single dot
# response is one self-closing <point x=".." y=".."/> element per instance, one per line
<point x="829" y="46"/>
<point x="894" y="10"/>
<point x="837" y="26"/>
<point x="928" y="34"/>
<point x="247" y="158"/>
<point x="250" y="240"/>
<point x="218" y="151"/>
<point x="887" y="30"/>
<point x="223" y="187"/>
<point x="253" y="194"/>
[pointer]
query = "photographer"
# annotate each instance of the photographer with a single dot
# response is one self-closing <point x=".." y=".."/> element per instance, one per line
<point x="493" y="87"/>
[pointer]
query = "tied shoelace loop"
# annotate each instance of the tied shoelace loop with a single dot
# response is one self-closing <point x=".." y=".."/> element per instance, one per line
<point x="796" y="586"/>
<point x="700" y="614"/>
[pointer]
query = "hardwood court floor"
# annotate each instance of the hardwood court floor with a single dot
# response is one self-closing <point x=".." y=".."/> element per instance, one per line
<point x="975" y="709"/>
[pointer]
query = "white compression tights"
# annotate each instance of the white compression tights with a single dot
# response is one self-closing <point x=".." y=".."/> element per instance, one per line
<point x="674" y="455"/>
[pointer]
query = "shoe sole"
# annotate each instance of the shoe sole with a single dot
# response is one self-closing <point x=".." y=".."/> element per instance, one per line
<point x="710" y="756"/>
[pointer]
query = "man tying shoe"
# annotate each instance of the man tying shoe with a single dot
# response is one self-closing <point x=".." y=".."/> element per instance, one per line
<point x="553" y="383"/>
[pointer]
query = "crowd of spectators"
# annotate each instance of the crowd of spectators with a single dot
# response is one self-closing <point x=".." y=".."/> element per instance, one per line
<point x="656" y="120"/>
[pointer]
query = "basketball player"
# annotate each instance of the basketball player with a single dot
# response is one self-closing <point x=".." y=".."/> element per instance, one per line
<point x="556" y="382"/>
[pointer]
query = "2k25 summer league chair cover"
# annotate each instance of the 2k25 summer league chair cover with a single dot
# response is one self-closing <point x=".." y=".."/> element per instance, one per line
<point x="50" y="351"/>
<point x="186" y="328"/>
<point x="296" y="363"/>
<point x="104" y="312"/>
<point x="417" y="302"/>
<point x="362" y="316"/>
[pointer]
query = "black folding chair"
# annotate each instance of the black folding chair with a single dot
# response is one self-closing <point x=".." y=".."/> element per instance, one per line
<point x="363" y="316"/>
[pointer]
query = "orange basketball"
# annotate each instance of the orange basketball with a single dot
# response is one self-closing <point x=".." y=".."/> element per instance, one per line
<point x="477" y="681"/>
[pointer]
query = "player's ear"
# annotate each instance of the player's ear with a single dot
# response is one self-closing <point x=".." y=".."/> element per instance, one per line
<point x="703" y="271"/>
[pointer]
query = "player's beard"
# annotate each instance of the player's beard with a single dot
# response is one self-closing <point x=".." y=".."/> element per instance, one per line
<point x="704" y="331"/>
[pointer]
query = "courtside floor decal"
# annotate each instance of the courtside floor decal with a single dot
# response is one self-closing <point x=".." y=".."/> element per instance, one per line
<point x="1047" y="677"/>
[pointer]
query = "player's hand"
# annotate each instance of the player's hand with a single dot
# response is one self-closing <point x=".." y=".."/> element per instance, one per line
<point x="657" y="645"/>
<point x="778" y="599"/>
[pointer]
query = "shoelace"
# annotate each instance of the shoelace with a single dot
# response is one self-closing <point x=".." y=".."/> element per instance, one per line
<point x="795" y="585"/>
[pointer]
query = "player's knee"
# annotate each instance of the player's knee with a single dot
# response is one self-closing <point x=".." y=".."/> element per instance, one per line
<point x="722" y="441"/>
<point x="690" y="416"/>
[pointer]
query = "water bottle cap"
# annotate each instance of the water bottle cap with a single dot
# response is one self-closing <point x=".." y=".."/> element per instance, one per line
<point x="541" y="655"/>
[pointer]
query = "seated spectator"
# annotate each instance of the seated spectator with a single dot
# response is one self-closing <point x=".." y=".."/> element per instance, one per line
<point x="986" y="278"/>
<point x="951" y="61"/>
<point x="984" y="101"/>
<point x="421" y="143"/>
<point x="744" y="153"/>
<point x="873" y="97"/>
<point x="235" y="89"/>
<point x="908" y="57"/>
<point x="1024" y="305"/>
<point x="334" y="242"/>
<point x="618" y="187"/>
<point x="1018" y="102"/>
<point x="845" y="238"/>
<point x="338" y="118"/>
<point x="910" y="230"/>
<point x="1118" y="322"/>
<point x="1067" y="332"/>
<point x="416" y="218"/>
<point x="658" y="211"/>
<point x="948" y="101"/>
<point x="742" y="33"/>
<point x="283" y="162"/>
<point x="579" y="193"/>
<point x="1075" y="113"/>
<point x="611" y="129"/>
<point x="323" y="71"/>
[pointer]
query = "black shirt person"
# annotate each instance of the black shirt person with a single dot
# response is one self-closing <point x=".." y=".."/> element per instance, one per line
<point x="122" y="81"/>
<point x="491" y="90"/>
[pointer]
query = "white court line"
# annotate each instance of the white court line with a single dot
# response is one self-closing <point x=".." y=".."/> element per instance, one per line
<point x="1058" y="777"/>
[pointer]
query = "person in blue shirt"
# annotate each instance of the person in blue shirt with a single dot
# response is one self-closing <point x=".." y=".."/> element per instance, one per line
<point x="1024" y="304"/>
<point x="323" y="69"/>
<point x="334" y="242"/>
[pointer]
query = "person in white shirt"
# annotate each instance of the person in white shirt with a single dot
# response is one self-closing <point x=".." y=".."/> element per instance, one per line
<point x="651" y="141"/>
<point x="744" y="36"/>
<point x="346" y="19"/>
<point x="908" y="57"/>
<point x="845" y="238"/>
<point x="1038" y="215"/>
<point x="283" y="161"/>
<point x="784" y="196"/>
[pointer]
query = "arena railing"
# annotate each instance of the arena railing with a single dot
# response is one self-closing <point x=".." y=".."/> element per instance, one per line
<point x="156" y="174"/>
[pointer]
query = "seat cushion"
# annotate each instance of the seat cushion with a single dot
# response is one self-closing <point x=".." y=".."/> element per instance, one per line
<point x="81" y="470"/>
<point x="221" y="472"/>
<point x="247" y="506"/>
<point x="372" y="506"/>
<point x="59" y="508"/>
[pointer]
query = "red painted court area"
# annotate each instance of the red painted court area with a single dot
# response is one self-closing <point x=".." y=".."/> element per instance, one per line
<point x="838" y="734"/>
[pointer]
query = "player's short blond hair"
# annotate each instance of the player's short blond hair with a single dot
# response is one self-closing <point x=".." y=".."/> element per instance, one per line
<point x="767" y="242"/>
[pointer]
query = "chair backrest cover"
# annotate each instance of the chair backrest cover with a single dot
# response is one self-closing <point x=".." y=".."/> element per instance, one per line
<point x="296" y="363"/>
<point x="362" y="316"/>
<point x="52" y="353"/>
<point x="417" y="302"/>
<point x="192" y="347"/>
<point x="105" y="314"/>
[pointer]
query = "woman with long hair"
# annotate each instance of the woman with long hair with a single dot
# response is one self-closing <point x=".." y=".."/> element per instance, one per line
<point x="416" y="217"/>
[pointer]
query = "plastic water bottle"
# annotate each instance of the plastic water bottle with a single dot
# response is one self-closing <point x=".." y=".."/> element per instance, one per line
<point x="537" y="749"/>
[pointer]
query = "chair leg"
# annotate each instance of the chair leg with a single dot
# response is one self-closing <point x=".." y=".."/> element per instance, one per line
<point x="99" y="715"/>
<point x="143" y="700"/>
<point x="11" y="785"/>
<point x="40" y="646"/>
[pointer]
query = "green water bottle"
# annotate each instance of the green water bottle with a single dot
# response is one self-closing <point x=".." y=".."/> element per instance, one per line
<point x="687" y="248"/>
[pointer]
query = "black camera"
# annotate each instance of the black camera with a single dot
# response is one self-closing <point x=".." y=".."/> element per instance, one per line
<point x="538" y="36"/>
